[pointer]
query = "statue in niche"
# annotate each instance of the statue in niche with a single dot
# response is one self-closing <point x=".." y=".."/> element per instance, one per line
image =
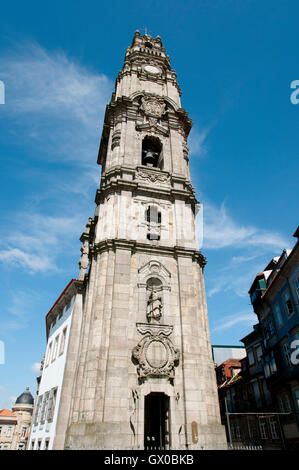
<point x="84" y="260"/>
<point x="154" y="301"/>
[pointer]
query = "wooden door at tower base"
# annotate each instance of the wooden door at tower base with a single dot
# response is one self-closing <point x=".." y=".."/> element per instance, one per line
<point x="156" y="421"/>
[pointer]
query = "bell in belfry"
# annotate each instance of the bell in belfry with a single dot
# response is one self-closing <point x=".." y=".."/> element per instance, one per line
<point x="150" y="158"/>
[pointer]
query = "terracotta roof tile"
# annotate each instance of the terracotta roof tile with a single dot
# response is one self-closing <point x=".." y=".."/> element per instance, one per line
<point x="6" y="413"/>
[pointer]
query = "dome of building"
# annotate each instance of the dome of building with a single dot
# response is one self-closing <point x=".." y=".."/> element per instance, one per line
<point x="25" y="398"/>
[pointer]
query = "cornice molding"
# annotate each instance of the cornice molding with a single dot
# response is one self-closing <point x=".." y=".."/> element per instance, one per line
<point x="136" y="247"/>
<point x="158" y="182"/>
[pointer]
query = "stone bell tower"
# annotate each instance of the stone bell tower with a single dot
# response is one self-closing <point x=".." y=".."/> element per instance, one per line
<point x="143" y="375"/>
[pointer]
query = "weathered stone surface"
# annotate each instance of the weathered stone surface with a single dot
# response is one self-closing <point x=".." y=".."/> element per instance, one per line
<point x="125" y="347"/>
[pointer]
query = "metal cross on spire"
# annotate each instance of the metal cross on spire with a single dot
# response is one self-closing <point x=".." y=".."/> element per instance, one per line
<point x="146" y="31"/>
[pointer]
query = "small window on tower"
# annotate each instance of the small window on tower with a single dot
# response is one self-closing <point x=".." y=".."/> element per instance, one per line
<point x="153" y="215"/>
<point x="153" y="218"/>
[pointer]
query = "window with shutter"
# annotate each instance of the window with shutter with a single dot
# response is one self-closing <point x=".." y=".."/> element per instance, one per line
<point x="153" y="218"/>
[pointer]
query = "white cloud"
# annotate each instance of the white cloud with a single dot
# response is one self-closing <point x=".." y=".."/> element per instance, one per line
<point x="229" y="321"/>
<point x="35" y="367"/>
<point x="197" y="141"/>
<point x="38" y="240"/>
<point x="245" y="250"/>
<point x="19" y="309"/>
<point x="31" y="261"/>
<point x="221" y="231"/>
<point x="57" y="103"/>
<point x="54" y="106"/>
<point x="8" y="403"/>
<point x="237" y="260"/>
<point x="11" y="401"/>
<point x="235" y="277"/>
<point x="22" y="302"/>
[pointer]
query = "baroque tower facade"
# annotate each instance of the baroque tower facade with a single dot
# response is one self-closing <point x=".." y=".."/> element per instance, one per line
<point x="139" y="371"/>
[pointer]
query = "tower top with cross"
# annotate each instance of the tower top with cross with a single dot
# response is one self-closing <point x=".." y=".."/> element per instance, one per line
<point x="148" y="47"/>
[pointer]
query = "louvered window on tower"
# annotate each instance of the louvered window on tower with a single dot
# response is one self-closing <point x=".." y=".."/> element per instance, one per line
<point x="153" y="218"/>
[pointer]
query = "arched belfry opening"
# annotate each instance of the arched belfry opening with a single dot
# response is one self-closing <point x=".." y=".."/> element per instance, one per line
<point x="152" y="152"/>
<point x="156" y="421"/>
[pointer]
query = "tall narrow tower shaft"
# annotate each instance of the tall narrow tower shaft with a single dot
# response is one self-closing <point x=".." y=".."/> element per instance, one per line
<point x="141" y="373"/>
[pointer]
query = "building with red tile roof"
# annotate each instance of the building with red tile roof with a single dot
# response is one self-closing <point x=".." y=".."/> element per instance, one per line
<point x="15" y="424"/>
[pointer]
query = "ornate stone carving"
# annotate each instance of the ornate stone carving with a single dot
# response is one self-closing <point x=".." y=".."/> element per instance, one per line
<point x="155" y="267"/>
<point x="155" y="330"/>
<point x="185" y="151"/>
<point x="152" y="176"/>
<point x="155" y="354"/>
<point x="84" y="260"/>
<point x="152" y="126"/>
<point x="153" y="106"/>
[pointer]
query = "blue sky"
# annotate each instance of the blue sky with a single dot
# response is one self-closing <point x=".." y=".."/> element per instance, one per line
<point x="235" y="61"/>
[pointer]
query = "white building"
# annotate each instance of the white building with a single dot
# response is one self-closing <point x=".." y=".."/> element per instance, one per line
<point x="58" y="324"/>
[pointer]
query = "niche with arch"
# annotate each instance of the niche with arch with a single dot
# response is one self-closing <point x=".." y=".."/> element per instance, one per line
<point x="153" y="277"/>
